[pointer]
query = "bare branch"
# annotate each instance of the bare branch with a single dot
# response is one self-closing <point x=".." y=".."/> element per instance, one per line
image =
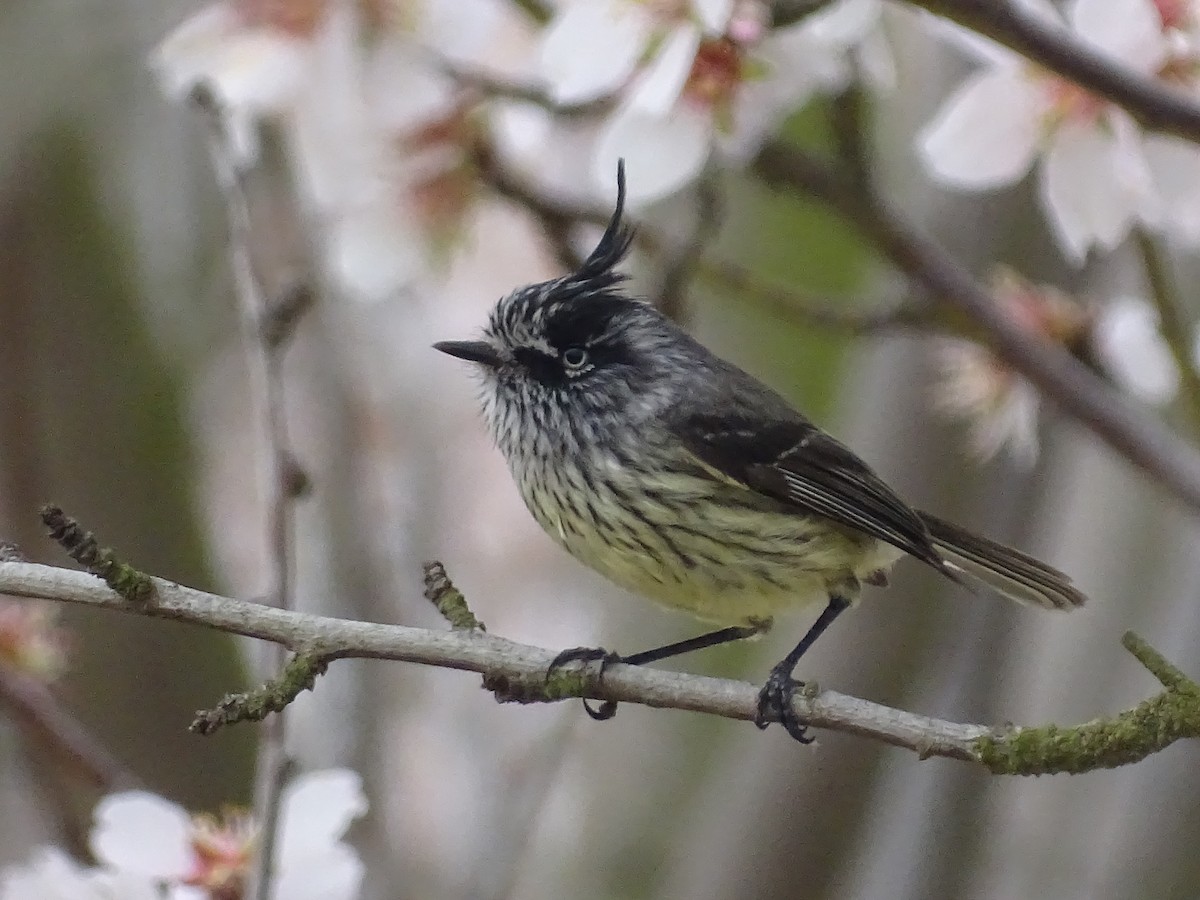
<point x="521" y="670"/>
<point x="272" y="301"/>
<point x="1172" y="322"/>
<point x="682" y="262"/>
<point x="1153" y="103"/>
<point x="1130" y="430"/>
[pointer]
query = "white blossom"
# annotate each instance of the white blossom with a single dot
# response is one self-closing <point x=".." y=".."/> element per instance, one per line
<point x="1129" y="345"/>
<point x="720" y="83"/>
<point x="141" y="834"/>
<point x="375" y="126"/>
<point x="1094" y="180"/>
<point x="998" y="406"/>
<point x="52" y="875"/>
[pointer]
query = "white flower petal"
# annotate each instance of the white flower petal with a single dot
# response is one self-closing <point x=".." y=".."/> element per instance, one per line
<point x="401" y="89"/>
<point x="142" y="833"/>
<point x="335" y="874"/>
<point x="661" y="153"/>
<point x="373" y="252"/>
<point x="843" y="23"/>
<point x="462" y="31"/>
<point x="1130" y="347"/>
<point x="713" y="14"/>
<point x="1129" y="31"/>
<point x="987" y="132"/>
<point x="254" y="68"/>
<point x="877" y="62"/>
<point x="972" y="43"/>
<point x="49" y="875"/>
<point x="1175" y="167"/>
<point x="1095" y="184"/>
<point x="315" y="812"/>
<point x="999" y="407"/>
<point x="126" y="886"/>
<point x="659" y="87"/>
<point x="591" y="48"/>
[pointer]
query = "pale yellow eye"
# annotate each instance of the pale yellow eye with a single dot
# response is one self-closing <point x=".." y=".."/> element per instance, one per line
<point x="575" y="358"/>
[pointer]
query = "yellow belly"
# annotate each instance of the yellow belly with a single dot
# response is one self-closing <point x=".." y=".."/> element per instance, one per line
<point x="729" y="564"/>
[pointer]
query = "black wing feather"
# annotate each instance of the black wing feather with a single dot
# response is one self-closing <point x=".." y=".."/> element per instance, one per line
<point x="797" y="463"/>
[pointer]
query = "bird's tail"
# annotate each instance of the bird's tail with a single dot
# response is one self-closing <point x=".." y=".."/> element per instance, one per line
<point x="1010" y="572"/>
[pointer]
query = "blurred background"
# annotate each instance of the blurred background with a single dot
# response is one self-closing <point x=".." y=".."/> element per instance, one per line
<point x="128" y="398"/>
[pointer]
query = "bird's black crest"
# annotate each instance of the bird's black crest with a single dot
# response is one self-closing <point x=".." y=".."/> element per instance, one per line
<point x="597" y="272"/>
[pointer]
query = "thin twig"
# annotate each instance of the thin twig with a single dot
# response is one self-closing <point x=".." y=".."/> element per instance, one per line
<point x="1171" y="323"/>
<point x="1133" y="432"/>
<point x="1146" y="728"/>
<point x="846" y="117"/>
<point x="681" y="264"/>
<point x="268" y="321"/>
<point x="1155" y="104"/>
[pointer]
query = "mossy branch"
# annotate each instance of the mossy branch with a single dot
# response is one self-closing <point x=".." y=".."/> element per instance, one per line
<point x="1105" y="743"/>
<point x="299" y="674"/>
<point x="135" y="586"/>
<point x="517" y="672"/>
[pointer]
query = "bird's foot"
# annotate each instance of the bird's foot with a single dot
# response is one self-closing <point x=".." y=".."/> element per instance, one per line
<point x="607" y="708"/>
<point x="775" y="705"/>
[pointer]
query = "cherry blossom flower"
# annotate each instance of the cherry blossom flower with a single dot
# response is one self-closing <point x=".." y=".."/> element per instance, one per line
<point x="693" y="77"/>
<point x="52" y="875"/>
<point x="253" y="56"/>
<point x="31" y="641"/>
<point x="593" y="47"/>
<point x="1093" y="178"/>
<point x="377" y="131"/>
<point x="207" y="858"/>
<point x="1127" y="343"/>
<point x="998" y="405"/>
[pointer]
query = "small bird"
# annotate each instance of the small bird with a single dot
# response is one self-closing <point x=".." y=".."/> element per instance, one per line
<point x="684" y="479"/>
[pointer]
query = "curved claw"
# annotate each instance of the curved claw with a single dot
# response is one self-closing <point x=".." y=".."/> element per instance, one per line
<point x="775" y="705"/>
<point x="607" y="708"/>
<point x="605" y="711"/>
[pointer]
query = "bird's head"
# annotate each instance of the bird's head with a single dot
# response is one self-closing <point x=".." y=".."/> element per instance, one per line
<point x="576" y="345"/>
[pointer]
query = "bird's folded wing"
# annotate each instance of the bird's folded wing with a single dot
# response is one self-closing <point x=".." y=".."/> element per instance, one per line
<point x="797" y="463"/>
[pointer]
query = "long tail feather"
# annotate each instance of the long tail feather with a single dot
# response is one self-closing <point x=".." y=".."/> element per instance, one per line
<point x="1010" y="572"/>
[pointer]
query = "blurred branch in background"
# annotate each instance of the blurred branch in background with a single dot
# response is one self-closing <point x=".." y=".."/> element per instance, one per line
<point x="274" y="285"/>
<point x="519" y="672"/>
<point x="1137" y="435"/>
<point x="1044" y="42"/>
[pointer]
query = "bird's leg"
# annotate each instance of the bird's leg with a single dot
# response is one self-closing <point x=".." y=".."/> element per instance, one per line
<point x="608" y="708"/>
<point x="775" y="699"/>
